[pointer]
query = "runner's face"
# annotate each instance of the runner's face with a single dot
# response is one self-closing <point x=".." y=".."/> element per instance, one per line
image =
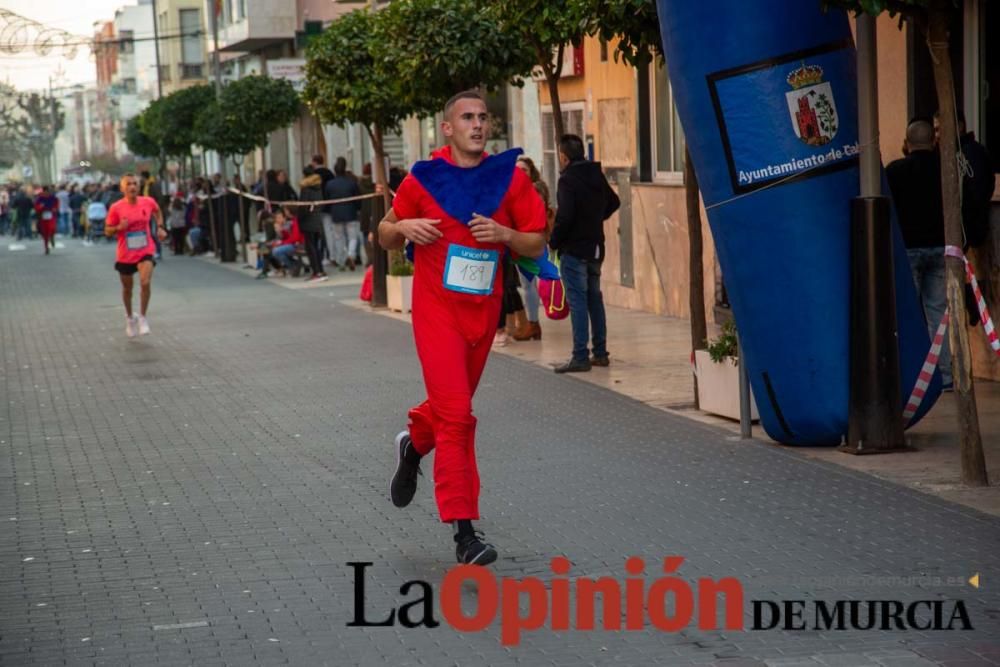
<point x="467" y="125"/>
<point x="130" y="187"/>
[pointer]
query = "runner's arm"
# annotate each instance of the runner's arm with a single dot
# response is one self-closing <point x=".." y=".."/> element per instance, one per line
<point x="393" y="233"/>
<point x="111" y="225"/>
<point x="526" y="244"/>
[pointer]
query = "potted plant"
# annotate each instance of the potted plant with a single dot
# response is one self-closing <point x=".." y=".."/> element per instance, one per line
<point x="719" y="376"/>
<point x="399" y="283"/>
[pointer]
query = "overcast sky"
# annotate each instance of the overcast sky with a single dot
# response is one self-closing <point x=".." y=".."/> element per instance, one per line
<point x="27" y="70"/>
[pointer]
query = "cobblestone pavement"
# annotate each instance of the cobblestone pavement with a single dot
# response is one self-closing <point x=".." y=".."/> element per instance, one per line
<point x="193" y="497"/>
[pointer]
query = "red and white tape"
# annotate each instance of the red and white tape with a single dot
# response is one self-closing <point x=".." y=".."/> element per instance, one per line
<point x="984" y="313"/>
<point x="927" y="372"/>
<point x="930" y="363"/>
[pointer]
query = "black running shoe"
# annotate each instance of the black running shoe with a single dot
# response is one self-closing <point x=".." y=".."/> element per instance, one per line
<point x="471" y="550"/>
<point x="403" y="484"/>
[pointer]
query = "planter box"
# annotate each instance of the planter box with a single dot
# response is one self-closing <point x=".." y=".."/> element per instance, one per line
<point x="399" y="293"/>
<point x="719" y="387"/>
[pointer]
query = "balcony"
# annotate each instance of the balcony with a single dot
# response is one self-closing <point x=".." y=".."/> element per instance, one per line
<point x="266" y="22"/>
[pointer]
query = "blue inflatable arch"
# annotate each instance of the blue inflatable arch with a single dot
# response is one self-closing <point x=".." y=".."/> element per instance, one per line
<point x="766" y="91"/>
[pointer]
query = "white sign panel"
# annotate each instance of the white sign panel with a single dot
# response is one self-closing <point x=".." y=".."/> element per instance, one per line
<point x="293" y="69"/>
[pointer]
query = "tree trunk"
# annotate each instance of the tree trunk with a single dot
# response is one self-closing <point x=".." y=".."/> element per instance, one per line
<point x="973" y="460"/>
<point x="552" y="75"/>
<point x="696" y="281"/>
<point x="380" y="262"/>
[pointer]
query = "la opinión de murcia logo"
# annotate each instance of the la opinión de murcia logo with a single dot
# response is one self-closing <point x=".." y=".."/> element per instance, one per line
<point x="668" y="604"/>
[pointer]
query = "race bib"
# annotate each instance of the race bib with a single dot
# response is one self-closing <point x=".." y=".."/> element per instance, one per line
<point x="136" y="240"/>
<point x="46" y="215"/>
<point x="470" y="270"/>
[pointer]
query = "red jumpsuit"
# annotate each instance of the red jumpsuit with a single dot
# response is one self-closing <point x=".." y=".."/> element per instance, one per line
<point x="47" y="210"/>
<point x="453" y="331"/>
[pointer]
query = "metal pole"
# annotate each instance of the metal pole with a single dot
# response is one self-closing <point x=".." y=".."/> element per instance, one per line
<point x="871" y="184"/>
<point x="52" y="153"/>
<point x="745" y="419"/>
<point x="874" y="422"/>
<point x="156" y="45"/>
<point x="224" y="236"/>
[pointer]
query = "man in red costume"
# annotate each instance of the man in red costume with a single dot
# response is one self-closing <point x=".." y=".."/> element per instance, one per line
<point x="461" y="210"/>
<point x="47" y="211"/>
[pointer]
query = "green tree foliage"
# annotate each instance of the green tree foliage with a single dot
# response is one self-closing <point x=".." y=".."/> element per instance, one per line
<point x="546" y="27"/>
<point x="138" y="142"/>
<point x="632" y="25"/>
<point x="440" y="47"/>
<point x="245" y="114"/>
<point x="170" y="121"/>
<point x="350" y="77"/>
<point x="12" y="144"/>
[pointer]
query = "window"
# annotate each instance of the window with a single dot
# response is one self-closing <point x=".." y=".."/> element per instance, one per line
<point x="125" y="44"/>
<point x="241" y="7"/>
<point x="164" y="72"/>
<point x="572" y="113"/>
<point x="667" y="135"/>
<point x="191" y="51"/>
<point x="128" y="86"/>
<point x="191" y="71"/>
<point x="604" y="50"/>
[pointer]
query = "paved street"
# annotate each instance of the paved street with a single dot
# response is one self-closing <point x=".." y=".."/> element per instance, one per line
<point x="193" y="497"/>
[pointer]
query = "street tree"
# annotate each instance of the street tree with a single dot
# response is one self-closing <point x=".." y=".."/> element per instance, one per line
<point x="138" y="142"/>
<point x="441" y="47"/>
<point x="39" y="123"/>
<point x="169" y="121"/>
<point x="245" y="114"/>
<point x="632" y="25"/>
<point x="546" y="27"/>
<point x="351" y="78"/>
<point x="12" y="144"/>
<point x="933" y="18"/>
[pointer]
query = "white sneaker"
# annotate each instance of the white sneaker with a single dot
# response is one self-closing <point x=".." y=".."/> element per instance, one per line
<point x="143" y="326"/>
<point x="131" y="327"/>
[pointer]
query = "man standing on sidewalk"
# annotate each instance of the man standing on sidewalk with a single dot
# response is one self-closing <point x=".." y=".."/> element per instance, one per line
<point x="128" y="219"/>
<point x="585" y="201"/>
<point x="461" y="210"/>
<point x="915" y="184"/>
<point x="346" y="216"/>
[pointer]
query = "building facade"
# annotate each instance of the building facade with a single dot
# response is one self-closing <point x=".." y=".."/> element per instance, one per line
<point x="183" y="33"/>
<point x="106" y="59"/>
<point x="134" y="83"/>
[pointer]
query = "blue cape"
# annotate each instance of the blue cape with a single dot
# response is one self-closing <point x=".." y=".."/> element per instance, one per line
<point x="464" y="191"/>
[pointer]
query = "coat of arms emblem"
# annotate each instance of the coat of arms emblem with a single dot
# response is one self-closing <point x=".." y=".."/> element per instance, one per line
<point x="811" y="105"/>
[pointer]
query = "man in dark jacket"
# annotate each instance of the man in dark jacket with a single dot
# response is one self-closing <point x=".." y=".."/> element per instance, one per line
<point x="311" y="221"/>
<point x="977" y="187"/>
<point x="585" y="201"/>
<point x="23" y="206"/>
<point x="915" y="183"/>
<point x="345" y="231"/>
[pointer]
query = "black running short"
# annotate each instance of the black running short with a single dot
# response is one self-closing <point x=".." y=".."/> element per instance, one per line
<point x="130" y="269"/>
